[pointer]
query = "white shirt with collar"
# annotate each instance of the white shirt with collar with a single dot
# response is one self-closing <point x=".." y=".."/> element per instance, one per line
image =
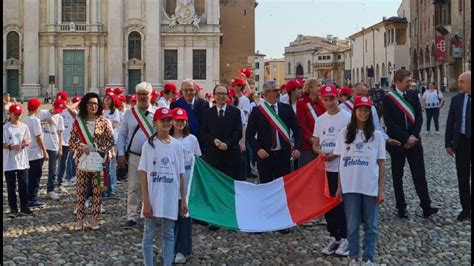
<point x="464" y="107"/>
<point x="163" y="103"/>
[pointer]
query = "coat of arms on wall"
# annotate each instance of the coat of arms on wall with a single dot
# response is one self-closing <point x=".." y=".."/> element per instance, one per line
<point x="183" y="14"/>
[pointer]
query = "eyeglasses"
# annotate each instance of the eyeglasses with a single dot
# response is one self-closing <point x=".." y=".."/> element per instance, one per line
<point x="188" y="90"/>
<point x="221" y="94"/>
<point x="143" y="94"/>
<point x="93" y="104"/>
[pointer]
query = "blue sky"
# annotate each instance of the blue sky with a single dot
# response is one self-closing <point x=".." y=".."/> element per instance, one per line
<point x="278" y="22"/>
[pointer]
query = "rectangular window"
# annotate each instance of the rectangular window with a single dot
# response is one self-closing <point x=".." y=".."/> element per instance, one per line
<point x="339" y="57"/>
<point x="257" y="65"/>
<point x="257" y="77"/>
<point x="171" y="65"/>
<point x="199" y="64"/>
<point x="460" y="6"/>
<point x="73" y="11"/>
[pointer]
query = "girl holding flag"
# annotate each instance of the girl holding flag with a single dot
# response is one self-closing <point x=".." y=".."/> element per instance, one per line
<point x="90" y="131"/>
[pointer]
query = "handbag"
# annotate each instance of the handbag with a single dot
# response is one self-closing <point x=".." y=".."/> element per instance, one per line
<point x="91" y="162"/>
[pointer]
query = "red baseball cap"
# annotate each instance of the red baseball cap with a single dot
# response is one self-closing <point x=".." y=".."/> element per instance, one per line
<point x="118" y="103"/>
<point x="237" y="82"/>
<point x="293" y="84"/>
<point x="208" y="95"/>
<point x="179" y="114"/>
<point x="162" y="113"/>
<point x="199" y="87"/>
<point x="170" y="87"/>
<point x="59" y="105"/>
<point x="231" y="92"/>
<point x="76" y="99"/>
<point x="362" y="101"/>
<point x="133" y="97"/>
<point x="109" y="90"/>
<point x="245" y="71"/>
<point x="328" y="90"/>
<point x="283" y="86"/>
<point x="122" y="98"/>
<point x="33" y="104"/>
<point x="110" y="94"/>
<point x="345" y="91"/>
<point x="118" y="91"/>
<point x="62" y="95"/>
<point x="15" y="109"/>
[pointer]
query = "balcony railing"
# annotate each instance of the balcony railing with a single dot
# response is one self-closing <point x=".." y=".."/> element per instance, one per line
<point x="73" y="27"/>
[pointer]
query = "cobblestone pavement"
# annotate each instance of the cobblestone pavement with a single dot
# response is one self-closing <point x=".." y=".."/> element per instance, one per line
<point x="47" y="237"/>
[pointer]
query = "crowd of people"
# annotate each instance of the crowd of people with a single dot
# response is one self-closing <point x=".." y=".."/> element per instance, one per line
<point x="241" y="133"/>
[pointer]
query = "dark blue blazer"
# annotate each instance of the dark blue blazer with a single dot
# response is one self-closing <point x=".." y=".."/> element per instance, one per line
<point x="453" y="125"/>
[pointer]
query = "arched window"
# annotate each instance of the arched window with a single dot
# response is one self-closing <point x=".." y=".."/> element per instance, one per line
<point x="199" y="7"/>
<point x="377" y="73"/>
<point x="358" y="78"/>
<point x="427" y="54"/>
<point x="170" y="6"/>
<point x="13" y="45"/>
<point x="289" y="68"/>
<point x="362" y="75"/>
<point x="74" y="11"/>
<point x="309" y="67"/>
<point x="384" y="73"/>
<point x="134" y="45"/>
<point x="299" y="70"/>
<point x="420" y="61"/>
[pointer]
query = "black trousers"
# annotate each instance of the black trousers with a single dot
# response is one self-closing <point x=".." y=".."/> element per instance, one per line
<point x="417" y="168"/>
<point x="336" y="217"/>
<point x="22" y="177"/>
<point x="228" y="162"/>
<point x="463" y="169"/>
<point x="34" y="178"/>
<point x="432" y="113"/>
<point x="273" y="167"/>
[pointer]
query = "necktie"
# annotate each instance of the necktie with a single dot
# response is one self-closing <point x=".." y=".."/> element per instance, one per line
<point x="274" y="140"/>
<point x="221" y="114"/>
<point x="468" y="117"/>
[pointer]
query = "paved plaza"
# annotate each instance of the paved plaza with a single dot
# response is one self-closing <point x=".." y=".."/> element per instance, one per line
<point x="47" y="237"/>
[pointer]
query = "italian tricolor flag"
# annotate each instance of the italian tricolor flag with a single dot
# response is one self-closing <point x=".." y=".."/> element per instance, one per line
<point x="290" y="200"/>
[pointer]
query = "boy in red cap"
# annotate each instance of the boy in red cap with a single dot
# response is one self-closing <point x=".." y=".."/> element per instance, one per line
<point x="344" y="94"/>
<point x="53" y="126"/>
<point x="169" y="91"/>
<point x="284" y="97"/>
<point x="162" y="190"/>
<point x="16" y="137"/>
<point x="37" y="153"/>
<point x="326" y="128"/>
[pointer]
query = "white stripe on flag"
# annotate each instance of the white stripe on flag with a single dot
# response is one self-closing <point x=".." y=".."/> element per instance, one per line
<point x="262" y="207"/>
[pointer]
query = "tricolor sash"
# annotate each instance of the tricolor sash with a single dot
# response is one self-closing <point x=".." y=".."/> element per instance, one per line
<point x="312" y="111"/>
<point x="349" y="104"/>
<point x="142" y="121"/>
<point x="275" y="121"/>
<point x="403" y="105"/>
<point x="86" y="137"/>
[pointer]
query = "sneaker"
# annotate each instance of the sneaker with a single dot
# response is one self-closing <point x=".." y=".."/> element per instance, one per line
<point x="430" y="211"/>
<point x="75" y="211"/>
<point x="88" y="203"/>
<point x="354" y="262"/>
<point x="13" y="214"/>
<point x="36" y="204"/>
<point x="331" y="248"/>
<point x="52" y="195"/>
<point x="343" y="248"/>
<point x="102" y="209"/>
<point x="129" y="224"/>
<point x="427" y="133"/>
<point x="26" y="212"/>
<point x="69" y="183"/>
<point x="63" y="190"/>
<point x="179" y="258"/>
<point x="369" y="263"/>
<point x="438" y="133"/>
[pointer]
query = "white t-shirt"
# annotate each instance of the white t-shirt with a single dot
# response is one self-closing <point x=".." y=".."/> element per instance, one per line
<point x="14" y="135"/>
<point x="432" y="99"/>
<point x="244" y="104"/>
<point x="326" y="129"/>
<point x="51" y="139"/>
<point x="162" y="102"/>
<point x="358" y="168"/>
<point x="191" y="149"/>
<point x="68" y="123"/>
<point x="34" y="126"/>
<point x="114" y="117"/>
<point x="285" y="98"/>
<point x="163" y="166"/>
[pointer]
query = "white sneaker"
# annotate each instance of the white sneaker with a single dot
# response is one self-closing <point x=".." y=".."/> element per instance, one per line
<point x="52" y="195"/>
<point x="179" y="258"/>
<point x="354" y="262"/>
<point x="343" y="248"/>
<point x="438" y="133"/>
<point x="63" y="190"/>
<point x="75" y="211"/>
<point x="102" y="209"/>
<point x="369" y="263"/>
<point x="88" y="203"/>
<point x="331" y="248"/>
<point x="427" y="132"/>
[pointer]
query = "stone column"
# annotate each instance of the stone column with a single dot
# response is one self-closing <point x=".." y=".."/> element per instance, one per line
<point x="31" y="86"/>
<point x="115" y="43"/>
<point x="152" y="47"/>
<point x="94" y="67"/>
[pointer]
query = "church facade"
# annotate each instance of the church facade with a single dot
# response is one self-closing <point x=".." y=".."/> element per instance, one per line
<point x="87" y="45"/>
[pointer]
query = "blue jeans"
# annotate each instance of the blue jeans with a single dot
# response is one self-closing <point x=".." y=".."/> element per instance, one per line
<point x="70" y="166"/>
<point x="63" y="162"/>
<point x="112" y="172"/>
<point x="52" y="174"/>
<point x="357" y="205"/>
<point x="167" y="240"/>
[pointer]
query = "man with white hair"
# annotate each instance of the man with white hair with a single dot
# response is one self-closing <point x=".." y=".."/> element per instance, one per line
<point x="458" y="140"/>
<point x="136" y="128"/>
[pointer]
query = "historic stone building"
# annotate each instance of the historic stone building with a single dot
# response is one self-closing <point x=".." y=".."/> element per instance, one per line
<point x="440" y="40"/>
<point x="275" y="70"/>
<point x="87" y="45"/>
<point x="310" y="56"/>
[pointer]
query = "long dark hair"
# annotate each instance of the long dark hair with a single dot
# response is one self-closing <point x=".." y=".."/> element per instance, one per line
<point x="112" y="104"/>
<point x="186" y="130"/>
<point x="85" y="100"/>
<point x="352" y="128"/>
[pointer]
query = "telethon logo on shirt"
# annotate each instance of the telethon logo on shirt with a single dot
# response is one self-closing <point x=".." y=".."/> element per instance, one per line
<point x="349" y="161"/>
<point x="328" y="144"/>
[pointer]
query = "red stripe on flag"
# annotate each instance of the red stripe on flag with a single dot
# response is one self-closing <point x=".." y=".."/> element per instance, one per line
<point x="307" y="192"/>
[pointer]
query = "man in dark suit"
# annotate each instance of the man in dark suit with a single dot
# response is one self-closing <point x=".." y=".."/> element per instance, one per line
<point x="404" y="125"/>
<point x="221" y="131"/>
<point x="271" y="145"/>
<point x="458" y="140"/>
<point x="194" y="107"/>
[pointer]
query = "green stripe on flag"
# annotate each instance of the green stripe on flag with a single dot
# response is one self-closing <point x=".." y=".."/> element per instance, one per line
<point x="212" y="200"/>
